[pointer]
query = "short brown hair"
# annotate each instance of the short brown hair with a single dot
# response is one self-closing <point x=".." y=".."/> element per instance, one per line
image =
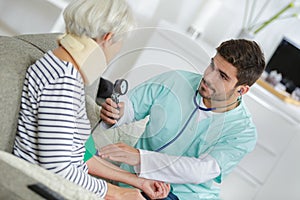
<point x="246" y="56"/>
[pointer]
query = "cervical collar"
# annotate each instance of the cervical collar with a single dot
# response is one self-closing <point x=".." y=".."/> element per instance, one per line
<point x="87" y="54"/>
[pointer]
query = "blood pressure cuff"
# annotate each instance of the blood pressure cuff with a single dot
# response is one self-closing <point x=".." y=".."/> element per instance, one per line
<point x="90" y="149"/>
<point x="105" y="88"/>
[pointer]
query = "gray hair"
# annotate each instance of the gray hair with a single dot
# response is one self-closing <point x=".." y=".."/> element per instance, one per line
<point x="94" y="18"/>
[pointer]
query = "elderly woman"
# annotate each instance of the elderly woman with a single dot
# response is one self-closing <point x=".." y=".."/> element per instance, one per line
<point x="53" y="125"/>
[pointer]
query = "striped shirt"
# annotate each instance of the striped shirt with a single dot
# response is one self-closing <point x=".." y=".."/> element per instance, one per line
<point x="53" y="124"/>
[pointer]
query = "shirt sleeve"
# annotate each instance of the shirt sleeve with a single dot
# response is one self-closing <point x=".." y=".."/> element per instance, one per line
<point x="62" y="128"/>
<point x="175" y="169"/>
<point x="93" y="111"/>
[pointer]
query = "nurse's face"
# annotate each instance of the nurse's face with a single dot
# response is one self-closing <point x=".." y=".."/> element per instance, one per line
<point x="219" y="80"/>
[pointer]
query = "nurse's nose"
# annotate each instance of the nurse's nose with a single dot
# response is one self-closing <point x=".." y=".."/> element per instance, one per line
<point x="210" y="75"/>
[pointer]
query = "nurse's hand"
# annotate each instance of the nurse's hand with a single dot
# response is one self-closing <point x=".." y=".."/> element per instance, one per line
<point x="121" y="152"/>
<point x="111" y="112"/>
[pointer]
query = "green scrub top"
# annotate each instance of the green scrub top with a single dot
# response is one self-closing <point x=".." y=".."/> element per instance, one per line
<point x="168" y="100"/>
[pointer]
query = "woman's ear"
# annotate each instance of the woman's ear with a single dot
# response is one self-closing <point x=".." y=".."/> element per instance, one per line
<point x="104" y="39"/>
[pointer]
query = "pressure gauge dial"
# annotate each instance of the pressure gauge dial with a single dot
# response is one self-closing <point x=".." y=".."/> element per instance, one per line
<point x="120" y="88"/>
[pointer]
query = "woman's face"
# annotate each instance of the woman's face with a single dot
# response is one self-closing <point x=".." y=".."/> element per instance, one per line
<point x="111" y="49"/>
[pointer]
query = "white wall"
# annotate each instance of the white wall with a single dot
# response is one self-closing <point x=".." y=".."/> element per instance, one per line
<point x="31" y="16"/>
<point x="36" y="16"/>
<point x="225" y="24"/>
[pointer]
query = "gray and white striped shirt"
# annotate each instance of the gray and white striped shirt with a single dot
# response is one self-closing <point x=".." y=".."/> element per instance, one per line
<point x="53" y="124"/>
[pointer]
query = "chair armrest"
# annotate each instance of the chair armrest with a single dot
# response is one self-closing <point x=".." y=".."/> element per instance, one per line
<point x="16" y="174"/>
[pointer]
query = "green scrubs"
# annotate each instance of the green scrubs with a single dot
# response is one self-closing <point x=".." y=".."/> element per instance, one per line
<point x="168" y="100"/>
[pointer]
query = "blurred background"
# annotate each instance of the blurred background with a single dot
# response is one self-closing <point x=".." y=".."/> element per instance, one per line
<point x="216" y="20"/>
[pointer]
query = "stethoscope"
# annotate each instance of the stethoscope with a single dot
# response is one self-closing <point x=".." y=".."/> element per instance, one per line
<point x="197" y="106"/>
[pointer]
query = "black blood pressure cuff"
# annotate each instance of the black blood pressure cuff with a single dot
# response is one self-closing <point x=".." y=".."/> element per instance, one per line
<point x="105" y="89"/>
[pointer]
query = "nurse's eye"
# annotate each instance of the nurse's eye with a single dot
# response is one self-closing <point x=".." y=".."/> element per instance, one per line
<point x="224" y="76"/>
<point x="212" y="65"/>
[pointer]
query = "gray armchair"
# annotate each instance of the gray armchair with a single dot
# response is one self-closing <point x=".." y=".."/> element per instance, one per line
<point x="16" y="54"/>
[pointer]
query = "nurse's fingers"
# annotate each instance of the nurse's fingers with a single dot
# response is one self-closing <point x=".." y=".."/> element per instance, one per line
<point x="107" y="119"/>
<point x="109" y="112"/>
<point x="121" y="152"/>
<point x="110" y="102"/>
<point x="110" y="106"/>
<point x="118" y="147"/>
<point x="130" y="159"/>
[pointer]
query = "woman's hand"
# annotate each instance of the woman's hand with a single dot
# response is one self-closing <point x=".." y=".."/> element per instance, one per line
<point x="124" y="153"/>
<point x="119" y="193"/>
<point x="121" y="152"/>
<point x="154" y="189"/>
<point x="111" y="112"/>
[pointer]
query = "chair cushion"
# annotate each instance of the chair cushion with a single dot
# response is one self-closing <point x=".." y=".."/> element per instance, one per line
<point x="15" y="57"/>
<point x="17" y="53"/>
<point x="43" y="42"/>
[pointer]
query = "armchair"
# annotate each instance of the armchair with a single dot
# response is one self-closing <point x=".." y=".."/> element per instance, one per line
<point x="16" y="54"/>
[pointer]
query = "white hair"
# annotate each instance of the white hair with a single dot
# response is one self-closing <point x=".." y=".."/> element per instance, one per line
<point x="94" y="18"/>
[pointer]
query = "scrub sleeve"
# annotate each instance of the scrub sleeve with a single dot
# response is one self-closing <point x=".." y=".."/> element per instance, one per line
<point x="90" y="149"/>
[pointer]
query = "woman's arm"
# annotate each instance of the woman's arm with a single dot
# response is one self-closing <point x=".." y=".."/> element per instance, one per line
<point x="101" y="168"/>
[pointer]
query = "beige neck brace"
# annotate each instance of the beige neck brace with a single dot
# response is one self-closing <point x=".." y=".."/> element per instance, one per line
<point x="87" y="54"/>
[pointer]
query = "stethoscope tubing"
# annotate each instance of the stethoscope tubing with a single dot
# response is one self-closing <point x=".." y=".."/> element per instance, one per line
<point x="180" y="132"/>
<point x="189" y="119"/>
<point x="186" y="123"/>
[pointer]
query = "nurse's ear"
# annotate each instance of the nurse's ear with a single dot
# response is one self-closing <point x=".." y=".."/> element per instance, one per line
<point x="243" y="89"/>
